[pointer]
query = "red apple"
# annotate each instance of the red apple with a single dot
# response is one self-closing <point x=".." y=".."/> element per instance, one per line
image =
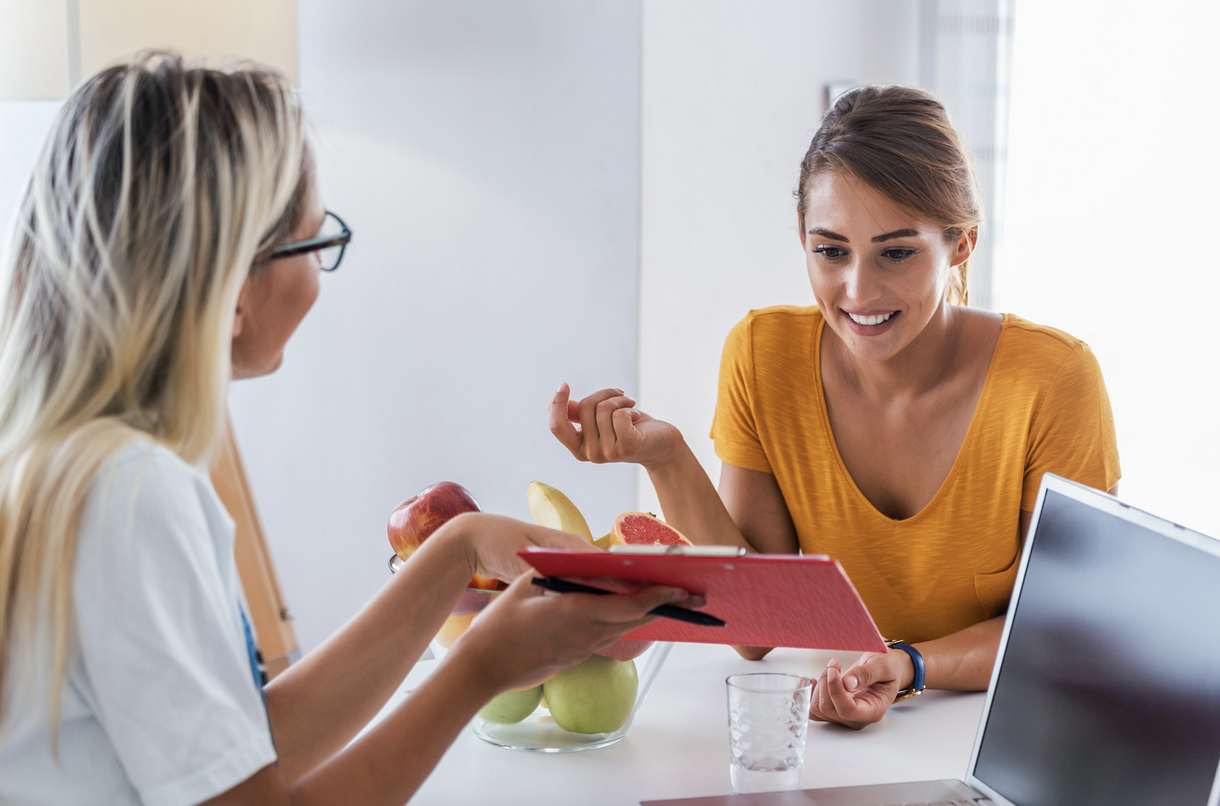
<point x="414" y="520"/>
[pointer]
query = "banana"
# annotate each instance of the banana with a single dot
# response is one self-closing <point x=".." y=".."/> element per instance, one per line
<point x="555" y="510"/>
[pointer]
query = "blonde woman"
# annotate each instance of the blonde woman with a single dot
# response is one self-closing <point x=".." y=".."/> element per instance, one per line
<point x="168" y="241"/>
<point x="889" y="425"/>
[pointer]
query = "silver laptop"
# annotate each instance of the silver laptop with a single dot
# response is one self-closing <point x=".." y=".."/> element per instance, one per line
<point x="1106" y="691"/>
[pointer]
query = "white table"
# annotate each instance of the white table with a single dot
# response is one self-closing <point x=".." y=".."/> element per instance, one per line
<point x="678" y="745"/>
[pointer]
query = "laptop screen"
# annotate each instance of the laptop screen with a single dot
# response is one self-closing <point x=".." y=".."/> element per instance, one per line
<point x="1109" y="692"/>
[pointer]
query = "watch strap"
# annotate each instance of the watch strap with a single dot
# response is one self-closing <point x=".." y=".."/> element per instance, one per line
<point x="917" y="684"/>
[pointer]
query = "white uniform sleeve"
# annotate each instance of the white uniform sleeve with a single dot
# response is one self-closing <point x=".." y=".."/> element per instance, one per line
<point x="157" y="603"/>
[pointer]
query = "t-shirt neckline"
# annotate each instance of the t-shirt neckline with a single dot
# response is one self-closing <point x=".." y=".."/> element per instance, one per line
<point x="963" y="449"/>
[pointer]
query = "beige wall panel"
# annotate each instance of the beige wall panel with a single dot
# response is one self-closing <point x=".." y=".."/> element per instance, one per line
<point x="218" y="30"/>
<point x="33" y="50"/>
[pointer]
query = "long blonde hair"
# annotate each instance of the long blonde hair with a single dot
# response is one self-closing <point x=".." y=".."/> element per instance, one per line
<point x="158" y="187"/>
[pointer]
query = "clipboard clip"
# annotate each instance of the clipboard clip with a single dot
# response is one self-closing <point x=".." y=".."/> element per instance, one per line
<point x="680" y="550"/>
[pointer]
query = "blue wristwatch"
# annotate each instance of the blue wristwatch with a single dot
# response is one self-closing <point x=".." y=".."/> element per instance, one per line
<point x="917" y="661"/>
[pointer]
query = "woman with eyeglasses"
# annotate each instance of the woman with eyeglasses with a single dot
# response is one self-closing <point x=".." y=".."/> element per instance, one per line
<point x="170" y="239"/>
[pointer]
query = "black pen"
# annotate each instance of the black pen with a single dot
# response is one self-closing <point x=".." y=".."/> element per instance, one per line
<point x="665" y="610"/>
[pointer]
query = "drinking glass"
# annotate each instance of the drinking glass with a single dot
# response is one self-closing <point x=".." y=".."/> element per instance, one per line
<point x="768" y="720"/>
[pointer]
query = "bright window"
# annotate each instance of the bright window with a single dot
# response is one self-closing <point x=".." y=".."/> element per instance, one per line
<point x="1111" y="219"/>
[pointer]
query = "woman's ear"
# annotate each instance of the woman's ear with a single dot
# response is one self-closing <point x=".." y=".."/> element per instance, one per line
<point x="239" y="315"/>
<point x="965" y="247"/>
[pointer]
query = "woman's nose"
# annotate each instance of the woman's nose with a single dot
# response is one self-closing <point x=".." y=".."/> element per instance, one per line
<point x="860" y="283"/>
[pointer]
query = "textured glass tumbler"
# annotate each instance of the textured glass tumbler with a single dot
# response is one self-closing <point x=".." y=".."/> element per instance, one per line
<point x="768" y="720"/>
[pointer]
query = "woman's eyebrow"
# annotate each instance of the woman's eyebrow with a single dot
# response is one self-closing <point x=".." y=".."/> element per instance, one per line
<point x="889" y="236"/>
<point x="898" y="233"/>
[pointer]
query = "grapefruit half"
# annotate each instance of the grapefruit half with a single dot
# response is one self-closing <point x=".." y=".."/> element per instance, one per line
<point x="642" y="529"/>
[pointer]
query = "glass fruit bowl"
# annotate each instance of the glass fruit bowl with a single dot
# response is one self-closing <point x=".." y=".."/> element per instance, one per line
<point x="586" y="707"/>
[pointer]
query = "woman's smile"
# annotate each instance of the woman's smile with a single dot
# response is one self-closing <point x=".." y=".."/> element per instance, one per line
<point x="871" y="324"/>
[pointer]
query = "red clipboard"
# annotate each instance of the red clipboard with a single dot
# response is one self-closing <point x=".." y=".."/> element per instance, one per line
<point x="774" y="600"/>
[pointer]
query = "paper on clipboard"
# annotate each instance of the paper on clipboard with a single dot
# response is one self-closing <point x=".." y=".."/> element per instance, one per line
<point x="775" y="600"/>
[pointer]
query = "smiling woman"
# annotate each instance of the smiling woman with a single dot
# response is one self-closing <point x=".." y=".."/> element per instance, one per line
<point x="889" y="426"/>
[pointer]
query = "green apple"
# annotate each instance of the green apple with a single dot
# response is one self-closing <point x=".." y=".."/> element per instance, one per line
<point x="595" y="696"/>
<point x="512" y="706"/>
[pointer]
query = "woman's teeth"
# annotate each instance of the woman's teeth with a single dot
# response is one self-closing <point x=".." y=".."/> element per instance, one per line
<point x="870" y="320"/>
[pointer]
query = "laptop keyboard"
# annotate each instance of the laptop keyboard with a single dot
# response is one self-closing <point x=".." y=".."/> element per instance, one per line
<point x="979" y="802"/>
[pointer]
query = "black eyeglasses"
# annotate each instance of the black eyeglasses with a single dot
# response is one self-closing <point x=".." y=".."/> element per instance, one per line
<point x="331" y="242"/>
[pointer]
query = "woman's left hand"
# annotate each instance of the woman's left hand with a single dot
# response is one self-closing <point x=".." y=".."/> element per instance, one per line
<point x="861" y="695"/>
<point x="491" y="542"/>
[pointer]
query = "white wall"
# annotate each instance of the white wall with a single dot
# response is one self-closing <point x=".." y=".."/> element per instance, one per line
<point x="486" y="156"/>
<point x="1112" y="209"/>
<point x="23" y="125"/>
<point x="732" y="94"/>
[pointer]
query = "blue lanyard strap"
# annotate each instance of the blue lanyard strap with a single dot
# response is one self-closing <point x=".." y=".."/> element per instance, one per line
<point x="252" y="651"/>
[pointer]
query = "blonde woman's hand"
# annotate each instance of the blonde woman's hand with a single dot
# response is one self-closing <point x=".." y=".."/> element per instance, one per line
<point x="491" y="542"/>
<point x="606" y="427"/>
<point x="527" y="635"/>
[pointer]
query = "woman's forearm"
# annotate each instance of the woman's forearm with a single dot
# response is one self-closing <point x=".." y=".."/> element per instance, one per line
<point x="690" y="501"/>
<point x="321" y="702"/>
<point x="962" y="661"/>
<point x="390" y="762"/>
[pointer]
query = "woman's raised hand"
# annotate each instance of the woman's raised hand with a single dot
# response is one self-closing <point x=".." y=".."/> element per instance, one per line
<point x="606" y="427"/>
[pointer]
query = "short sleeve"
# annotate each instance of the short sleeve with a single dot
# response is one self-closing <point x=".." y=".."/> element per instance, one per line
<point x="734" y="426"/>
<point x="1072" y="433"/>
<point x="164" y="655"/>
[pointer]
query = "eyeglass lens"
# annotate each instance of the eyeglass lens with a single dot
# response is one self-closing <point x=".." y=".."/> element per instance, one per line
<point x="331" y="255"/>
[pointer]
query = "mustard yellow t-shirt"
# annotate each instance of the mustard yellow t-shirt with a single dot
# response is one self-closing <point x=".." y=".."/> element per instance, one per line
<point x="1043" y="409"/>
